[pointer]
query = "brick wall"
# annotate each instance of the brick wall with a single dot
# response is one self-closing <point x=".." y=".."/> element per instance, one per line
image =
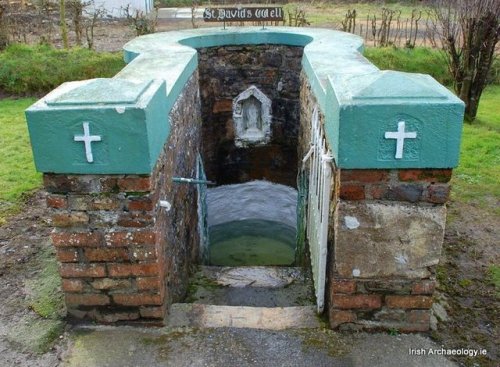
<point x="123" y="257"/>
<point x="380" y="304"/>
<point x="412" y="185"/>
<point x="227" y="71"/>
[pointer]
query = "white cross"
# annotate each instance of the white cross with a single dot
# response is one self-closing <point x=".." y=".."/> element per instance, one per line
<point x="87" y="140"/>
<point x="400" y="137"/>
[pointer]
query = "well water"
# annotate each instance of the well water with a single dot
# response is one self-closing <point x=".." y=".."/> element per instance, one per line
<point x="253" y="223"/>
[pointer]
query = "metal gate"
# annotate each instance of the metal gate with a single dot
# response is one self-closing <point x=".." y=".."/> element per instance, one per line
<point x="202" y="210"/>
<point x="318" y="205"/>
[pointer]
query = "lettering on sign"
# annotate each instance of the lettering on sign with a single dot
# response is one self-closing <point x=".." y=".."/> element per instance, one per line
<point x="243" y="14"/>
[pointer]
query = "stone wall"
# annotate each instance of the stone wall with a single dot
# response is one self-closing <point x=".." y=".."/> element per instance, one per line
<point x="122" y="256"/>
<point x="388" y="239"/>
<point x="385" y="236"/>
<point x="227" y="71"/>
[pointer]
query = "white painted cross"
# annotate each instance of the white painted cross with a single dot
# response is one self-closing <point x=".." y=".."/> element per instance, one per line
<point x="400" y="137"/>
<point x="87" y="140"/>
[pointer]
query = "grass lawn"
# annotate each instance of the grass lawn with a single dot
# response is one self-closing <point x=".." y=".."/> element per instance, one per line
<point x="324" y="13"/>
<point x="476" y="178"/>
<point x="17" y="171"/>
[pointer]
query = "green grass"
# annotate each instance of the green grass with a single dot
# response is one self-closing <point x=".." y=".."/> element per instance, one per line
<point x="17" y="171"/>
<point x="28" y="70"/>
<point x="417" y="60"/>
<point x="328" y="13"/>
<point x="494" y="275"/>
<point x="476" y="178"/>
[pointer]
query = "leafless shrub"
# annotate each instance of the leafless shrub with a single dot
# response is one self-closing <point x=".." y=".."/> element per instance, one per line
<point x="349" y="21"/>
<point x="297" y="18"/>
<point x="92" y="16"/>
<point x="142" y="23"/>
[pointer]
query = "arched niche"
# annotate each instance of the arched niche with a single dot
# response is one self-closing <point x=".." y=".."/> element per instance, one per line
<point x="252" y="118"/>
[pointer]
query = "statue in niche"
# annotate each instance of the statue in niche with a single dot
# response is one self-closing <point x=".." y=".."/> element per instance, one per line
<point x="251" y="114"/>
<point x="252" y="118"/>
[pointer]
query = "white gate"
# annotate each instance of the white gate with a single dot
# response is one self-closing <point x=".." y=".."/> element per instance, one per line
<point x="318" y="206"/>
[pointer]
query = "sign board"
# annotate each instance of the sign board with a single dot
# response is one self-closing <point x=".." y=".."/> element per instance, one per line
<point x="240" y="14"/>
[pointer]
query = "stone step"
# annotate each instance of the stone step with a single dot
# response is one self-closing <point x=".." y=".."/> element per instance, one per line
<point x="251" y="286"/>
<point x="268" y="318"/>
<point x="253" y="276"/>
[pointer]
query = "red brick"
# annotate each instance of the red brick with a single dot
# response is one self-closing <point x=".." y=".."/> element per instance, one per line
<point x="137" y="299"/>
<point x="153" y="312"/>
<point x="67" y="255"/>
<point x="58" y="183"/>
<point x="378" y="192"/>
<point x="86" y="299"/>
<point x="343" y="286"/>
<point x="57" y="201"/>
<point x="408" y="301"/>
<point x="70" y="270"/>
<point x="141" y="204"/>
<point x="143" y="253"/>
<point x="105" y="203"/>
<point x="337" y="317"/>
<point x="126" y="270"/>
<point x="223" y="105"/>
<point x="149" y="283"/>
<point x="70" y="219"/>
<point x="424" y="287"/>
<point x="364" y="175"/>
<point x="106" y="254"/>
<point x="72" y="285"/>
<point x="438" y="194"/>
<point x="427" y="175"/>
<point x="366" y="301"/>
<point x="109" y="184"/>
<point x="135" y="184"/>
<point x="72" y="239"/>
<point x="130" y="238"/>
<point x="136" y="220"/>
<point x="352" y="192"/>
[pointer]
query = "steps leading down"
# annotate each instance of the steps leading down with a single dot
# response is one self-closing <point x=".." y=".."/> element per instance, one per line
<point x="271" y="298"/>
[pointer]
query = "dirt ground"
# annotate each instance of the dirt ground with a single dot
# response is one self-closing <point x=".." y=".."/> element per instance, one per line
<point x="468" y="297"/>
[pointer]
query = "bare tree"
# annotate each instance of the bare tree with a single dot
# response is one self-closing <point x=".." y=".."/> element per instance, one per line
<point x="469" y="31"/>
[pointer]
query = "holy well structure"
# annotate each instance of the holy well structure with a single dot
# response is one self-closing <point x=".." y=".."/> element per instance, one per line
<point x="373" y="150"/>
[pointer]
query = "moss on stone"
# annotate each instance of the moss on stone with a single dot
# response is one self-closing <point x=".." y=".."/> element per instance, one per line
<point x="45" y="295"/>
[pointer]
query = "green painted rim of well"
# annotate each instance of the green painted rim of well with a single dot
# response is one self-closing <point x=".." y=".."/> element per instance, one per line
<point x="335" y="68"/>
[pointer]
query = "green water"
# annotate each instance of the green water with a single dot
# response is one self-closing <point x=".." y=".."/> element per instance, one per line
<point x="252" y="242"/>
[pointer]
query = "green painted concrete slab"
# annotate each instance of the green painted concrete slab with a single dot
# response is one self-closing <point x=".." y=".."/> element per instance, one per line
<point x="128" y="129"/>
<point x="361" y="104"/>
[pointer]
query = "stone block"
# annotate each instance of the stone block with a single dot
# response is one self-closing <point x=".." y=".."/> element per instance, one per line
<point x="392" y="239"/>
<point x="130" y="238"/>
<point x="103" y="254"/>
<point x="57" y="201"/>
